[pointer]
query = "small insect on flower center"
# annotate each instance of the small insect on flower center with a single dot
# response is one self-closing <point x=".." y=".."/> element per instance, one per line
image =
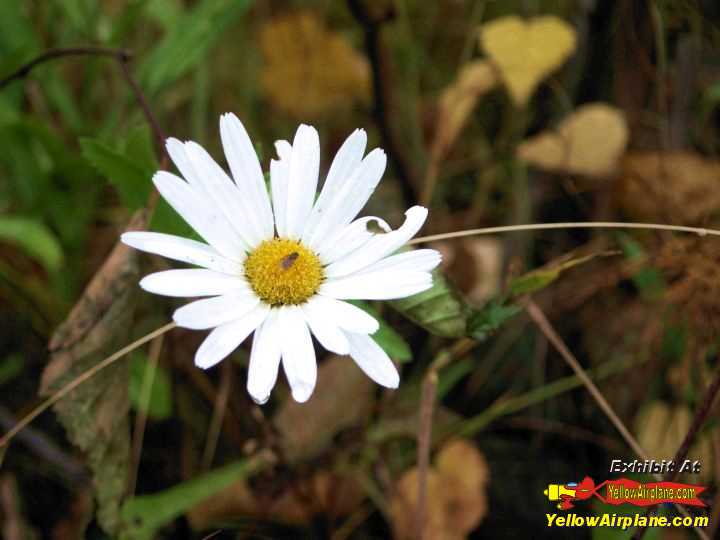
<point x="283" y="271"/>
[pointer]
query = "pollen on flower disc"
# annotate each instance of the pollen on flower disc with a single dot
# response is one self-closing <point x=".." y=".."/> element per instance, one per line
<point x="283" y="271"/>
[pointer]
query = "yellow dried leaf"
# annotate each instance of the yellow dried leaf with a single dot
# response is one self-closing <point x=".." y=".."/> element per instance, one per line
<point x="589" y="142"/>
<point x="525" y="52"/>
<point x="682" y="186"/>
<point x="458" y="100"/>
<point x="309" y="70"/>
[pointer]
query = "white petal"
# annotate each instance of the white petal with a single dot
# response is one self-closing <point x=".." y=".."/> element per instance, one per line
<point x="298" y="354"/>
<point x="211" y="312"/>
<point x="419" y="260"/>
<point x="240" y="211"/>
<point x="377" y="285"/>
<point x="284" y="149"/>
<point x="346" y="316"/>
<point x="264" y="359"/>
<point x="324" y="328"/>
<point x="373" y="360"/>
<point x="346" y="161"/>
<point x="380" y="246"/>
<point x="181" y="249"/>
<point x="208" y="179"/>
<point x="193" y="282"/>
<point x="247" y="173"/>
<point x="226" y="338"/>
<point x="279" y="175"/>
<point x="302" y="179"/>
<point x="199" y="212"/>
<point x="350" y="199"/>
<point x="351" y="237"/>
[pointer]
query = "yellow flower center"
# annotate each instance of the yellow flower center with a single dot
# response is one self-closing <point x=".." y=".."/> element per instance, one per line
<point x="283" y="271"/>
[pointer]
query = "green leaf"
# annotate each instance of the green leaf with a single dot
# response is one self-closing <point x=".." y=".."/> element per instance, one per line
<point x="439" y="310"/>
<point x="160" y="405"/>
<point x="188" y="42"/>
<point x="143" y="515"/>
<point x="484" y="322"/>
<point x="139" y="149"/>
<point x="391" y="342"/>
<point x="34" y="238"/>
<point x="542" y="277"/>
<point x="129" y="177"/>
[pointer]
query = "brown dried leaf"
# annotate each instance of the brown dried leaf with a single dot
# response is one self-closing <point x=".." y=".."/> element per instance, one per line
<point x="309" y="70"/>
<point x="681" y="186"/>
<point x="456" y="494"/>
<point x="525" y="52"/>
<point x="458" y="100"/>
<point x="589" y="142"/>
<point x="404" y="503"/>
<point x="307" y="429"/>
<point x="465" y="475"/>
<point x="95" y="414"/>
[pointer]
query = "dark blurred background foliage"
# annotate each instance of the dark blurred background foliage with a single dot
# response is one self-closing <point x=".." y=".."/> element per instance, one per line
<point x="492" y="113"/>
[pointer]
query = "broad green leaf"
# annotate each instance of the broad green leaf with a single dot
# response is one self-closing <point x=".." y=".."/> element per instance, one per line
<point x="34" y="238"/>
<point x="159" y="405"/>
<point x="143" y="515"/>
<point x="391" y="342"/>
<point x="439" y="310"/>
<point x="129" y="177"/>
<point x="188" y="42"/>
<point x="540" y="278"/>
<point x="485" y="321"/>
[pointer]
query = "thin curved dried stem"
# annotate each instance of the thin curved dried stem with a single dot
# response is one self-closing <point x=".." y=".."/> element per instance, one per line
<point x="141" y="418"/>
<point x="65" y="390"/>
<point x="221" y="403"/>
<point x="700" y="231"/>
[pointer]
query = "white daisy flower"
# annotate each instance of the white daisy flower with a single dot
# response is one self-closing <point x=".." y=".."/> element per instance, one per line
<point x="283" y="269"/>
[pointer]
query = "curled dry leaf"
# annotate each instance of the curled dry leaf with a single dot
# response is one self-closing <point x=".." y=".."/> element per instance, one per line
<point x="458" y="100"/>
<point x="677" y="186"/>
<point x="588" y="142"/>
<point x="95" y="414"/>
<point x="456" y="494"/>
<point x="310" y="71"/>
<point x="661" y="429"/>
<point x="525" y="52"/>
